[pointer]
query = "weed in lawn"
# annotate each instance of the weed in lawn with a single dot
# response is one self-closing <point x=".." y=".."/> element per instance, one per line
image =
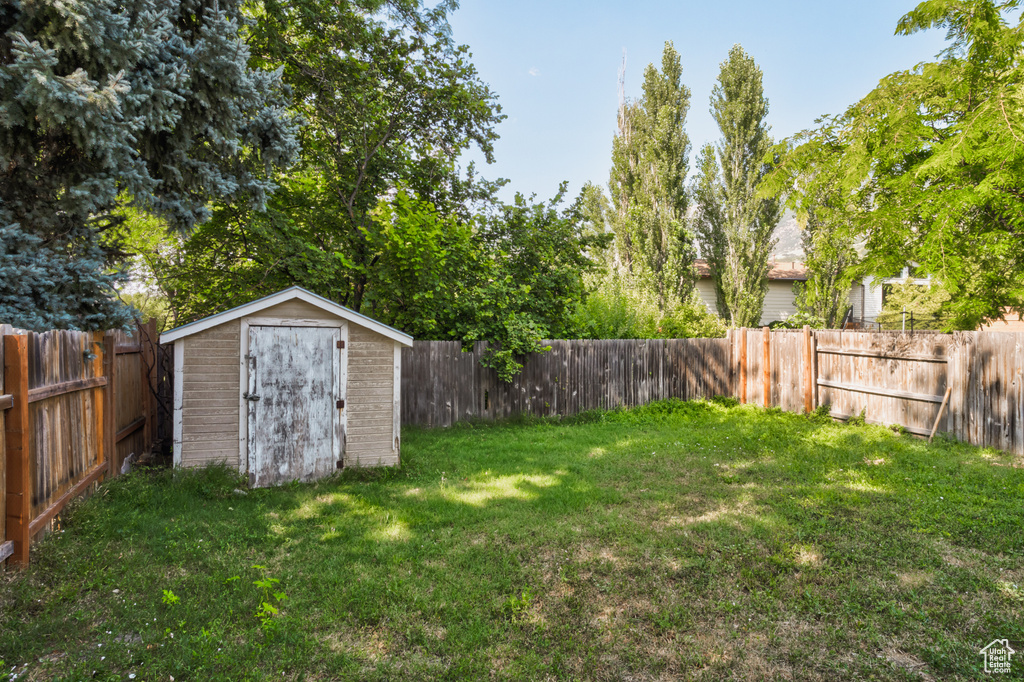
<point x="169" y="598"/>
<point x="516" y="606"/>
<point x="269" y="600"/>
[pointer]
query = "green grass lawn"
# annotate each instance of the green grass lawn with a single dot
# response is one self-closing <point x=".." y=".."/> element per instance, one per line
<point x="677" y="541"/>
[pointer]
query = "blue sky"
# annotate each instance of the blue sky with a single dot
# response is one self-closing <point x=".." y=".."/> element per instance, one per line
<point x="554" y="66"/>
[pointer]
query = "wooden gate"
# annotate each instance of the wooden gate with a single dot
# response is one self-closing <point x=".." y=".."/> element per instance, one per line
<point x="891" y="377"/>
<point x="295" y="400"/>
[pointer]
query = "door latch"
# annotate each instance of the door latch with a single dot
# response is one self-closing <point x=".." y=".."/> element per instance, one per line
<point x="250" y="396"/>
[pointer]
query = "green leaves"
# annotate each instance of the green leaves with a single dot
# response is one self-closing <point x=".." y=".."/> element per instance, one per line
<point x="935" y="157"/>
<point x="148" y="99"/>
<point x="650" y="160"/>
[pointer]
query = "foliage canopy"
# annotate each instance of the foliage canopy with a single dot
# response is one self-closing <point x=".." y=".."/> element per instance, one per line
<point x="936" y="154"/>
<point x="153" y="100"/>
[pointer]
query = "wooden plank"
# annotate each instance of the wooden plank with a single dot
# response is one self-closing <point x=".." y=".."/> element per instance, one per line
<point x="766" y="333"/>
<point x="39" y="523"/>
<point x="135" y="426"/>
<point x="6" y="402"/>
<point x="882" y="354"/>
<point x="743" y="366"/>
<point x="4" y="329"/>
<point x="922" y="397"/>
<point x="108" y="426"/>
<point x="938" y="418"/>
<point x="120" y="349"/>
<point x="18" y="445"/>
<point x="815" y="398"/>
<point x="809" y="381"/>
<point x="64" y="387"/>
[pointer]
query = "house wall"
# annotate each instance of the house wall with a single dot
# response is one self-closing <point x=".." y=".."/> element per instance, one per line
<point x="706" y="291"/>
<point x="297" y="310"/>
<point x="1012" y="322"/>
<point x="209" y="428"/>
<point x="779" y="302"/>
<point x="866" y="299"/>
<point x="371" y="437"/>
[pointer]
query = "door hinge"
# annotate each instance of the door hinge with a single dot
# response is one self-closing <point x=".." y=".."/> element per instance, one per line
<point x="340" y="404"/>
<point x="341" y="464"/>
<point x="341" y="344"/>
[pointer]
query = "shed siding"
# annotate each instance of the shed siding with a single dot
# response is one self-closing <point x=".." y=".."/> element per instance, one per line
<point x="369" y="439"/>
<point x="297" y="310"/>
<point x="210" y="397"/>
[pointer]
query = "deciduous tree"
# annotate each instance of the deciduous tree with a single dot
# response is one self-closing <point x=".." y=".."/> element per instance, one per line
<point x="733" y="223"/>
<point x="650" y="160"/>
<point x="390" y="100"/>
<point x="828" y="212"/>
<point x="937" y="154"/>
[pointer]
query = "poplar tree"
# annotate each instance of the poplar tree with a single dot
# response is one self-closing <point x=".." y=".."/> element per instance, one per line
<point x="733" y="223"/>
<point x="650" y="160"/>
<point x="104" y="101"/>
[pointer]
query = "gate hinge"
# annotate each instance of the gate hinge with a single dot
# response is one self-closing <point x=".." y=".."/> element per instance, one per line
<point x="341" y="344"/>
<point x="340" y="404"/>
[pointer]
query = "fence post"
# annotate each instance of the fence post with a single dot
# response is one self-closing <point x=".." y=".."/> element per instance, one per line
<point x="766" y="332"/>
<point x="809" y="378"/>
<point x="108" y="422"/>
<point x="18" y="440"/>
<point x="743" y="365"/>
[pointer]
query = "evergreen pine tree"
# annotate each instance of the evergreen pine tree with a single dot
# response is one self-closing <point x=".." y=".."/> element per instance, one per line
<point x="733" y="223"/>
<point x="100" y="100"/>
<point x="650" y="159"/>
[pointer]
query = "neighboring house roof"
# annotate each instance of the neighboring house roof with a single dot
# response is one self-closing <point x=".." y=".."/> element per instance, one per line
<point x="787" y="271"/>
<point x="281" y="297"/>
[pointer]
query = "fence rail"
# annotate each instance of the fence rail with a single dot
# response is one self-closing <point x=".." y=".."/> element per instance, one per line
<point x="891" y="378"/>
<point x="73" y="407"/>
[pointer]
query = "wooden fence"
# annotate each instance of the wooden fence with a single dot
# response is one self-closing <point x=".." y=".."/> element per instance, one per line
<point x="73" y="407"/>
<point x="970" y="384"/>
<point x="442" y="385"/>
<point x="889" y="377"/>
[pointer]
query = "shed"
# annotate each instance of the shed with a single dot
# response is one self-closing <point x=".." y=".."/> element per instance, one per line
<point x="290" y="386"/>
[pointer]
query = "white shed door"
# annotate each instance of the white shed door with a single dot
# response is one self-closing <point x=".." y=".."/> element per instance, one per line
<point x="294" y="387"/>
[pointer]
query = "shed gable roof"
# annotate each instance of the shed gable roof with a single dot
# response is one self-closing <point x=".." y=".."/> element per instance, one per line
<point x="282" y="296"/>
